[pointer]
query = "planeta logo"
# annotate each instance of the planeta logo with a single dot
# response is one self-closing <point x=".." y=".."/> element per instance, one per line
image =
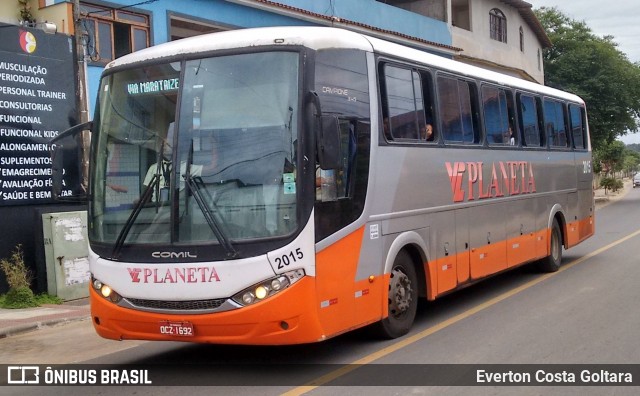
<point x="174" y="275"/>
<point x="505" y="178"/>
<point x="27" y="42"/>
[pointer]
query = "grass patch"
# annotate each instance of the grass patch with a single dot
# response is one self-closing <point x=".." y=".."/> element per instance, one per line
<point x="38" y="300"/>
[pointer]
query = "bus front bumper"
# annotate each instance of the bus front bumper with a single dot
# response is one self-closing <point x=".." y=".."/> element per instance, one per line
<point x="287" y="318"/>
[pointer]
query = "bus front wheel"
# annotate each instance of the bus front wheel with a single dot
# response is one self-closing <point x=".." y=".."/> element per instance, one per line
<point x="402" y="298"/>
<point x="551" y="263"/>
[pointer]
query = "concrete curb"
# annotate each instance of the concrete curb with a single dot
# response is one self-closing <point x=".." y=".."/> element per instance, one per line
<point x="17" y="321"/>
<point x="27" y="327"/>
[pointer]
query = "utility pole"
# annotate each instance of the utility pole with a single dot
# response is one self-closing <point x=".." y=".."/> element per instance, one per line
<point x="81" y="94"/>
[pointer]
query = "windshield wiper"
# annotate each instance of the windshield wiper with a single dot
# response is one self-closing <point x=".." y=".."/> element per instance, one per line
<point x="214" y="224"/>
<point x="146" y="196"/>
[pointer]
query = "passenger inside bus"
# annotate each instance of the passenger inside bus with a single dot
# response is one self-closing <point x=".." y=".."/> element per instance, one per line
<point x="510" y="138"/>
<point x="426" y="133"/>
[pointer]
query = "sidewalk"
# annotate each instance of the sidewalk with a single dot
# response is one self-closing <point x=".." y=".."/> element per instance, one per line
<point x="603" y="199"/>
<point x="16" y="321"/>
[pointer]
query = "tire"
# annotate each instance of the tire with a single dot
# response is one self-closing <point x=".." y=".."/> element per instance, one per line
<point x="551" y="263"/>
<point x="402" y="297"/>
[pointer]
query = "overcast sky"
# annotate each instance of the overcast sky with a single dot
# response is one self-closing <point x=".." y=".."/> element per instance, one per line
<point x="615" y="18"/>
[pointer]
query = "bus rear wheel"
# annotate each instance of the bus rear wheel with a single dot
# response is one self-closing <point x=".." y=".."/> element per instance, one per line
<point x="402" y="298"/>
<point x="551" y="263"/>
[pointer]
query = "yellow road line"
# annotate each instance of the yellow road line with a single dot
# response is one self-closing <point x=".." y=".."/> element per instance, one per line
<point x="455" y="319"/>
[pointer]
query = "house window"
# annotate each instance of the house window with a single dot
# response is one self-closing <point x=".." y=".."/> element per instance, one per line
<point x="521" y="39"/>
<point x="539" y="63"/>
<point x="113" y="33"/>
<point x="180" y="27"/>
<point x="436" y="9"/>
<point x="461" y="14"/>
<point x="498" y="25"/>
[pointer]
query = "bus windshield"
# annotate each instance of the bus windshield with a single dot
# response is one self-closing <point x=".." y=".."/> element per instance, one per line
<point x="197" y="152"/>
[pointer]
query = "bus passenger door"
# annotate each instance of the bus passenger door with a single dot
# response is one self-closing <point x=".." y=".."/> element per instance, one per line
<point x="462" y="245"/>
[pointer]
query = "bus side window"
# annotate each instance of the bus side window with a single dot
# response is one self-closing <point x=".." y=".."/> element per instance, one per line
<point x="554" y="124"/>
<point x="498" y="116"/>
<point x="428" y="130"/>
<point x="576" y="115"/>
<point x="403" y="104"/>
<point x="458" y="110"/>
<point x="528" y="117"/>
<point x="342" y="84"/>
<point x="334" y="184"/>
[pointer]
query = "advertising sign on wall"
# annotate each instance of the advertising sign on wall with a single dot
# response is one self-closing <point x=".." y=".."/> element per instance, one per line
<point x="37" y="102"/>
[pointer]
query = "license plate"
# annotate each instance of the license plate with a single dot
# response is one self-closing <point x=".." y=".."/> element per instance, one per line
<point x="182" y="329"/>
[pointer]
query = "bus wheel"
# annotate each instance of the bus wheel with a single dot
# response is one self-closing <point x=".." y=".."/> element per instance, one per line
<point x="402" y="297"/>
<point x="551" y="263"/>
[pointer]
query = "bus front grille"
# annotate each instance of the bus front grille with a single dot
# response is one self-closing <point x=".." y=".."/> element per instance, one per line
<point x="194" y="306"/>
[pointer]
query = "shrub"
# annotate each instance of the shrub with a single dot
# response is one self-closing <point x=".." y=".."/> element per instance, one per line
<point x="611" y="183"/>
<point x="21" y="297"/>
<point x="19" y="278"/>
<point x="14" y="268"/>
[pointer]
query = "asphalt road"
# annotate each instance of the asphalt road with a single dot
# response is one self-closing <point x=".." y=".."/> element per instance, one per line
<point x="586" y="313"/>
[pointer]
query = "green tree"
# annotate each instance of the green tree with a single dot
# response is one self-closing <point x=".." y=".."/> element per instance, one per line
<point x="611" y="156"/>
<point x="631" y="161"/>
<point x="634" y="146"/>
<point x="595" y="69"/>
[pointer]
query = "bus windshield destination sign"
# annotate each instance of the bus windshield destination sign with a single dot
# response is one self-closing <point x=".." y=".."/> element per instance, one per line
<point x="153" y="87"/>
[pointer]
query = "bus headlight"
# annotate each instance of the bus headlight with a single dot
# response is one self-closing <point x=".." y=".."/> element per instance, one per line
<point x="106" y="291"/>
<point x="268" y="288"/>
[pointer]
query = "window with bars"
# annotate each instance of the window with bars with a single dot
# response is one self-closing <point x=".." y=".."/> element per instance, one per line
<point x="113" y="32"/>
<point x="498" y="25"/>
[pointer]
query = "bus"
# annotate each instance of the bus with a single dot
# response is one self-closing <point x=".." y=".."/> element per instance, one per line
<point x="286" y="185"/>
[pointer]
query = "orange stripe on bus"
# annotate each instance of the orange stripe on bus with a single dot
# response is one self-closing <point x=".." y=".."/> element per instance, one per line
<point x="336" y="268"/>
<point x="578" y="231"/>
<point x="446" y="274"/>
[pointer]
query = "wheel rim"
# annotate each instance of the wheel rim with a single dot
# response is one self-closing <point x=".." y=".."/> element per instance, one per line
<point x="400" y="293"/>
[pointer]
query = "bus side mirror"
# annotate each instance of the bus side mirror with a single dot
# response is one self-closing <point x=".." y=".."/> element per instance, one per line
<point x="329" y="150"/>
<point x="67" y="169"/>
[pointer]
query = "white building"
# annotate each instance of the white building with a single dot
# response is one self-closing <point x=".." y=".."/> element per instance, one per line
<point x="501" y="35"/>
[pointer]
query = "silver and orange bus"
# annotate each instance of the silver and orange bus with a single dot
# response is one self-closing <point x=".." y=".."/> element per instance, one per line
<point x="286" y="185"/>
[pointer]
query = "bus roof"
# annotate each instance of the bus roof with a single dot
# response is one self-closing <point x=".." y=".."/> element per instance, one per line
<point x="321" y="38"/>
<point x="310" y="37"/>
<point x="460" y="68"/>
